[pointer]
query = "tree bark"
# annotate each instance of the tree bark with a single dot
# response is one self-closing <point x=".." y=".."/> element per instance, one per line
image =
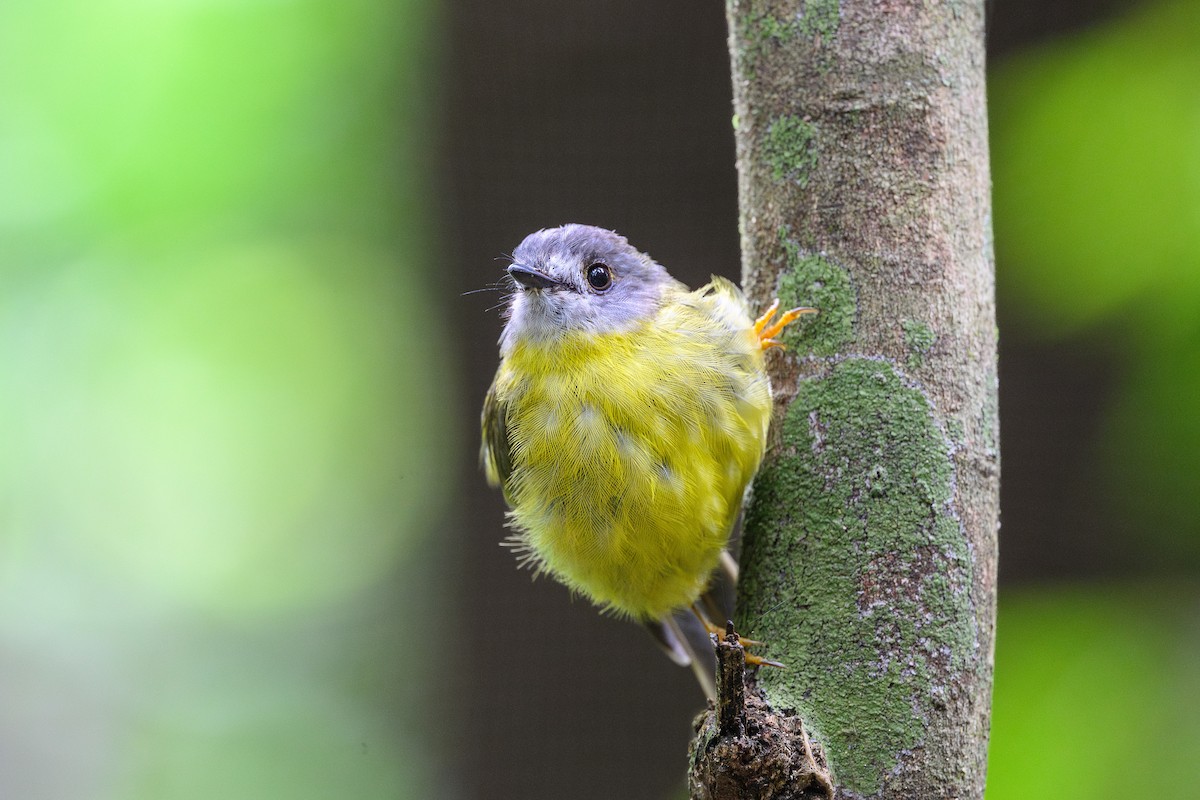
<point x="869" y="551"/>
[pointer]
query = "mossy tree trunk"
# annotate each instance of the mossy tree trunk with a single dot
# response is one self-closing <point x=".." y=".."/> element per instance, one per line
<point x="869" y="554"/>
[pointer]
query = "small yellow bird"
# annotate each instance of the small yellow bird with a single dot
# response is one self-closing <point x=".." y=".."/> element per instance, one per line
<point x="626" y="419"/>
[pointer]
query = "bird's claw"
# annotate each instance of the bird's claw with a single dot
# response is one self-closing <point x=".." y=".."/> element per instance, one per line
<point x="766" y="330"/>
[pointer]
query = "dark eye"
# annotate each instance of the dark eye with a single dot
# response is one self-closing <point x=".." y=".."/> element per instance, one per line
<point x="599" y="277"/>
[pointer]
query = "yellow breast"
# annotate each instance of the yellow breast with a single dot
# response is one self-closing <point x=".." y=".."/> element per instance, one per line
<point x="630" y="452"/>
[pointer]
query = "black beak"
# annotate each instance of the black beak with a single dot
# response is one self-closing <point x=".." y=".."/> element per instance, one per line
<point x="531" y="278"/>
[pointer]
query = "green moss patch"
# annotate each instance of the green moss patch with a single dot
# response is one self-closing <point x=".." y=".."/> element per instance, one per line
<point x="815" y="281"/>
<point x="819" y="18"/>
<point x="762" y="32"/>
<point x="919" y="339"/>
<point x="852" y="524"/>
<point x="788" y="149"/>
<point x="815" y="18"/>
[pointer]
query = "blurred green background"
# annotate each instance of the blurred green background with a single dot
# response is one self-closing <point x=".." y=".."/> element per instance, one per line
<point x="217" y="471"/>
<point x="244" y="550"/>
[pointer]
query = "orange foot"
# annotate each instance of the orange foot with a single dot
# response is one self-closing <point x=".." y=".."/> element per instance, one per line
<point x="767" y="330"/>
<point x="751" y="659"/>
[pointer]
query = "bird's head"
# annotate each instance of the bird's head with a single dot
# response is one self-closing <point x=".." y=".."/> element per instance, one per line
<point x="580" y="278"/>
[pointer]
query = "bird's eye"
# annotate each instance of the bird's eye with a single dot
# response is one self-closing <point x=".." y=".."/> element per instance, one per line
<point x="599" y="277"/>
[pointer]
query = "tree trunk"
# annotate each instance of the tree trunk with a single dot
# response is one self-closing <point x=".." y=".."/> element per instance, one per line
<point x="869" y="552"/>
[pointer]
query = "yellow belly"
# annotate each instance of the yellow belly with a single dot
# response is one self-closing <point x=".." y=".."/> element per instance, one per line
<point x="630" y="455"/>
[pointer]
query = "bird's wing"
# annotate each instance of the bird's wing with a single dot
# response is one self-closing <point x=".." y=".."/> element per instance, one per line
<point x="671" y="636"/>
<point x="727" y="291"/>
<point x="495" y="454"/>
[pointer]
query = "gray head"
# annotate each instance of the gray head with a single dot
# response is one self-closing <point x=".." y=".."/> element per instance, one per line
<point x="580" y="278"/>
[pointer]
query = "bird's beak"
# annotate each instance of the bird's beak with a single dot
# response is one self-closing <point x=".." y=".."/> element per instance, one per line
<point x="531" y="278"/>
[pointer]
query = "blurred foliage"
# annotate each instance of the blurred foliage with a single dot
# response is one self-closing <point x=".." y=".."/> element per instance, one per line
<point x="1097" y="693"/>
<point x="1096" y="151"/>
<point x="1096" y="154"/>
<point x="223" y="408"/>
<point x="1096" y="163"/>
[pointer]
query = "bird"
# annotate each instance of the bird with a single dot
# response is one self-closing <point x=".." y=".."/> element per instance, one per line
<point x="626" y="419"/>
